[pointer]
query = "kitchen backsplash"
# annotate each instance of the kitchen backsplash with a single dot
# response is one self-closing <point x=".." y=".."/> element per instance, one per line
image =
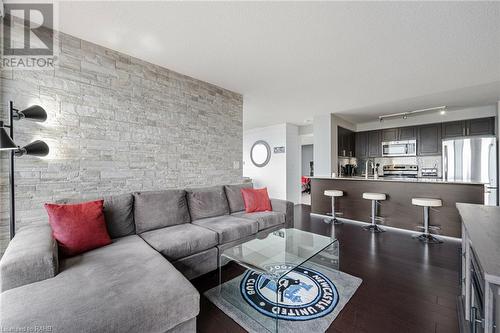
<point x="421" y="161"/>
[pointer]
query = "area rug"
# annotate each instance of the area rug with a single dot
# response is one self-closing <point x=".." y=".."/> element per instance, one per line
<point x="310" y="297"/>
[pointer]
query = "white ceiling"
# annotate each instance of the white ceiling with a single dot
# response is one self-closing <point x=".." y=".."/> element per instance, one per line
<point x="294" y="60"/>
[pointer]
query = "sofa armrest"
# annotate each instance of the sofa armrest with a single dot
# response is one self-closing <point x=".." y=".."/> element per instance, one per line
<point x="32" y="255"/>
<point x="286" y="207"/>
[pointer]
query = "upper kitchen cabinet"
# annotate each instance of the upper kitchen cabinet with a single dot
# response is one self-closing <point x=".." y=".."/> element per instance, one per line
<point x="429" y="140"/>
<point x="361" y="145"/>
<point x="480" y="126"/>
<point x="454" y="129"/>
<point x="346" y="142"/>
<point x="374" y="143"/>
<point x="407" y="133"/>
<point x="399" y="134"/>
<point x="391" y="134"/>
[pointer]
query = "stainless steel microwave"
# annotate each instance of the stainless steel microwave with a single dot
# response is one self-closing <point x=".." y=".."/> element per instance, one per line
<point x="399" y="148"/>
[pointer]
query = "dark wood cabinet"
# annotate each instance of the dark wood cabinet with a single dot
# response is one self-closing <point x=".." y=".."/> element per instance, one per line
<point x="429" y="140"/>
<point x="454" y="129"/>
<point x="374" y="144"/>
<point x="361" y="150"/>
<point x="346" y="142"/>
<point x="482" y="126"/>
<point x="407" y="133"/>
<point x="429" y="137"/>
<point x="398" y="134"/>
<point x="391" y="134"/>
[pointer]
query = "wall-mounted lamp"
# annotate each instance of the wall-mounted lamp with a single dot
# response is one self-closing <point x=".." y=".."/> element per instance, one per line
<point x="36" y="148"/>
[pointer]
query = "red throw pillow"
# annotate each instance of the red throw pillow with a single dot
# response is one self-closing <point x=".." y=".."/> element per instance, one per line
<point x="256" y="200"/>
<point x="79" y="227"/>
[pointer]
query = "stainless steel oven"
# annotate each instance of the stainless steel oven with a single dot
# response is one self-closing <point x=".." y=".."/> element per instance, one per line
<point x="399" y="148"/>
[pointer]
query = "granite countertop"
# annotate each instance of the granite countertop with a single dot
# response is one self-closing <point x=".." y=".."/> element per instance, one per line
<point x="402" y="180"/>
<point x="482" y="224"/>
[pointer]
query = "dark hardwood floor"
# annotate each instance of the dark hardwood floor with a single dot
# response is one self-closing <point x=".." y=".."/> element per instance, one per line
<point x="407" y="286"/>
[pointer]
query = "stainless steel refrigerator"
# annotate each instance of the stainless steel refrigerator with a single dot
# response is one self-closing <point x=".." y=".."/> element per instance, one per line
<point x="473" y="159"/>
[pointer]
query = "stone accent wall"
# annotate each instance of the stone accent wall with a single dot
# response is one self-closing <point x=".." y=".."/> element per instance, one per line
<point x="116" y="124"/>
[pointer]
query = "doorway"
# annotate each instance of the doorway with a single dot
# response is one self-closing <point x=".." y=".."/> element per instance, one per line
<point x="307" y="172"/>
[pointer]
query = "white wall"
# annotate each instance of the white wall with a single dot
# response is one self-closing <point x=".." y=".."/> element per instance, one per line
<point x="293" y="164"/>
<point x="306" y="129"/>
<point x="325" y="143"/>
<point x="281" y="175"/>
<point x="306" y="139"/>
<point x="273" y="175"/>
<point x="497" y="129"/>
<point x="322" y="145"/>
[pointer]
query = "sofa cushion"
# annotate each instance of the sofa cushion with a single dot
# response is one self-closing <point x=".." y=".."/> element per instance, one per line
<point x="286" y="207"/>
<point x="180" y="241"/>
<point x="119" y="215"/>
<point x="78" y="227"/>
<point x="229" y="228"/>
<point x="207" y="202"/>
<point x="256" y="200"/>
<point x="124" y="287"/>
<point x="32" y="255"/>
<point x="234" y="197"/>
<point x="264" y="219"/>
<point x="159" y="209"/>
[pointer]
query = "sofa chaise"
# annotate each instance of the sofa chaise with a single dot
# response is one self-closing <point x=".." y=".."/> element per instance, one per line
<point x="140" y="282"/>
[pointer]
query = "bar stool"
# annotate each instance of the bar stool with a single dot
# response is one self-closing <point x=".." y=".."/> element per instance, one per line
<point x="426" y="237"/>
<point x="333" y="194"/>
<point x="375" y="198"/>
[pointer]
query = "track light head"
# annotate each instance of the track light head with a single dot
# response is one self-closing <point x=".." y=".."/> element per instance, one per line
<point x="35" y="113"/>
<point x="6" y="142"/>
<point x="36" y="148"/>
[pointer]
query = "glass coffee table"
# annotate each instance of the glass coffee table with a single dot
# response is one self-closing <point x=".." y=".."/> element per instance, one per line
<point x="280" y="277"/>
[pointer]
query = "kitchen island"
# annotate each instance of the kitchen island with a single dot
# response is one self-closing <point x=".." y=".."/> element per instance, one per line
<point x="397" y="210"/>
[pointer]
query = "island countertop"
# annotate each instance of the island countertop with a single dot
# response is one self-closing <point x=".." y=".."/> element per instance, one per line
<point x="397" y="210"/>
<point x="482" y="225"/>
<point x="402" y="180"/>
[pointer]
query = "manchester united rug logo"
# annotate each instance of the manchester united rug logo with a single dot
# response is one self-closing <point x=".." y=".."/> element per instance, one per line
<point x="303" y="294"/>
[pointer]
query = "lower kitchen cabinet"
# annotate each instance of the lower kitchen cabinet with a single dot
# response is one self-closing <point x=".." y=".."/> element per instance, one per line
<point x="480" y="276"/>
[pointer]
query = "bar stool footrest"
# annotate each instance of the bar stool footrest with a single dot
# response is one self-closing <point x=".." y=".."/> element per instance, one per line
<point x="373" y="228"/>
<point x="428" y="239"/>
<point x="336" y="214"/>
<point x="333" y="220"/>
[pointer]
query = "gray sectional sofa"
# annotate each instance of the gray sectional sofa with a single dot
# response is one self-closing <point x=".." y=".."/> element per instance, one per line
<point x="140" y="282"/>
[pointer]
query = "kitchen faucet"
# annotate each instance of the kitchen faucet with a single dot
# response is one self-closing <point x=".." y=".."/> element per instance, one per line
<point x="366" y="168"/>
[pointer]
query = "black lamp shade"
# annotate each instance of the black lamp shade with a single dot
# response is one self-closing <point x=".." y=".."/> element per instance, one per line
<point x="6" y="142"/>
<point x="35" y="112"/>
<point x="36" y="148"/>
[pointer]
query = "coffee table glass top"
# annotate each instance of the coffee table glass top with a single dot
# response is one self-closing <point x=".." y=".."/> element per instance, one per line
<point x="291" y="246"/>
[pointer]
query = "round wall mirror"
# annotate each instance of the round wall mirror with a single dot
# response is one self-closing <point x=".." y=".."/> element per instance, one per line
<point x="260" y="154"/>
